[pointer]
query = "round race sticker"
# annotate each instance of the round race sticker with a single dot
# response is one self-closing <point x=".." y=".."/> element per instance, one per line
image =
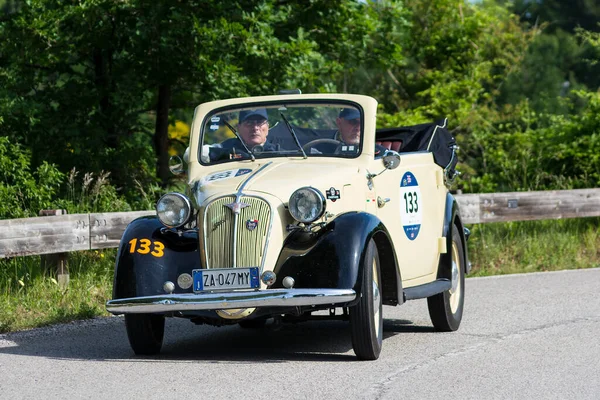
<point x="410" y="205"/>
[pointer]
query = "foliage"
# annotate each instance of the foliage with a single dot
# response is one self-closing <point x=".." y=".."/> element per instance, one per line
<point x="558" y="60"/>
<point x="525" y="150"/>
<point x="24" y="192"/>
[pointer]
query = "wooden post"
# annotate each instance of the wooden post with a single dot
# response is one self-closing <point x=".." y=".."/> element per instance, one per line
<point x="56" y="262"/>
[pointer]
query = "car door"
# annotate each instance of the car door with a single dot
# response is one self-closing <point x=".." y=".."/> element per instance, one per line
<point x="412" y="199"/>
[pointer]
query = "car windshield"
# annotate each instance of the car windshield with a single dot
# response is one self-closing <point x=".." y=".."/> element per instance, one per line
<point x="249" y="132"/>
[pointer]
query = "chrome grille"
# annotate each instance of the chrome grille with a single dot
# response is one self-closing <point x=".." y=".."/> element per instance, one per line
<point x="221" y="226"/>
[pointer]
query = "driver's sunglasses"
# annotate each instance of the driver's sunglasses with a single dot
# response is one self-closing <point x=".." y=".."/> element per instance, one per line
<point x="353" y="122"/>
<point x="254" y="122"/>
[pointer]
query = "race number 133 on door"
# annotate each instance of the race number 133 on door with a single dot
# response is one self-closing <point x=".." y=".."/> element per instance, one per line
<point x="410" y="205"/>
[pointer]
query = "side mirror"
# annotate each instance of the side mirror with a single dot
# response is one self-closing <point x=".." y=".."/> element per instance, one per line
<point x="176" y="165"/>
<point x="391" y="159"/>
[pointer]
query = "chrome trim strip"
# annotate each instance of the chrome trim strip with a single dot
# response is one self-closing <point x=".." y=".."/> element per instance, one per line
<point x="227" y="300"/>
<point x="435" y="130"/>
<point x="236" y="217"/>
<point x="243" y="185"/>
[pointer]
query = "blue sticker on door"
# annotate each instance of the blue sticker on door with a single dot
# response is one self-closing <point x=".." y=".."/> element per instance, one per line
<point x="410" y="205"/>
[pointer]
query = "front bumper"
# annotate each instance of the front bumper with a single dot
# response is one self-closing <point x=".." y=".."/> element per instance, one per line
<point x="226" y="300"/>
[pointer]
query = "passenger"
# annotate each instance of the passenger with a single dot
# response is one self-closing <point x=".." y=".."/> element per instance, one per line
<point x="348" y="124"/>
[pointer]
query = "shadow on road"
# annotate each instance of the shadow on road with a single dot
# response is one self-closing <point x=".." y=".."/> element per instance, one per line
<point x="105" y="339"/>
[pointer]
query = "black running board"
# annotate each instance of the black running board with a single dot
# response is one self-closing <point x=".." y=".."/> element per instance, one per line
<point x="427" y="290"/>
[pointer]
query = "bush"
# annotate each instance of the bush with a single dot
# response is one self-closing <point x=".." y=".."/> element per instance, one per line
<point x="22" y="192"/>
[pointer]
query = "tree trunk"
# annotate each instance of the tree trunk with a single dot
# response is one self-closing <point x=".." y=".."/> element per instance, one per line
<point x="161" y="133"/>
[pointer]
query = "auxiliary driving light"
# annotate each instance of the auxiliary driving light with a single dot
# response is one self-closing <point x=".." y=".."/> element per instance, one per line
<point x="185" y="281"/>
<point x="268" y="277"/>
<point x="169" y="287"/>
<point x="288" y="282"/>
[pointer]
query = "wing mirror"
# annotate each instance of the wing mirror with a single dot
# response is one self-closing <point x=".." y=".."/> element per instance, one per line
<point x="176" y="165"/>
<point x="391" y="159"/>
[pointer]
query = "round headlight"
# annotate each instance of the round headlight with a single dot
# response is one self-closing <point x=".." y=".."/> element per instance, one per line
<point x="307" y="204"/>
<point x="174" y="210"/>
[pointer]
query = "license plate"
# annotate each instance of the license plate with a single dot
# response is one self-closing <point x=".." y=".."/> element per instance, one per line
<point x="227" y="278"/>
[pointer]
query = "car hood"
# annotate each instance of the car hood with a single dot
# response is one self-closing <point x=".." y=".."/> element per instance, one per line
<point x="281" y="180"/>
<point x="277" y="179"/>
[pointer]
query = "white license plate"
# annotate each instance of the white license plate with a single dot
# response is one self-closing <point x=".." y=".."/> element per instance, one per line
<point x="227" y="278"/>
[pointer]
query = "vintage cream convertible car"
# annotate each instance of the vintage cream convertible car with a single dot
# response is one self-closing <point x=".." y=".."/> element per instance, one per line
<point x="304" y="222"/>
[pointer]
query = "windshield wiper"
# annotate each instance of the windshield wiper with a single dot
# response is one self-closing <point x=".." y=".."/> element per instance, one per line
<point x="237" y="135"/>
<point x="291" y="129"/>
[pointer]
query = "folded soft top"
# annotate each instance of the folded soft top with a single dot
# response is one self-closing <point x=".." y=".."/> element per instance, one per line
<point x="432" y="137"/>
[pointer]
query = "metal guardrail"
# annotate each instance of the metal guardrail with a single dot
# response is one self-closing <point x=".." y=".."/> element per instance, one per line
<point x="64" y="233"/>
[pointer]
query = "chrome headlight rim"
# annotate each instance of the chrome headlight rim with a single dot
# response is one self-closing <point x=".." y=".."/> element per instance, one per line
<point x="187" y="206"/>
<point x="322" y="203"/>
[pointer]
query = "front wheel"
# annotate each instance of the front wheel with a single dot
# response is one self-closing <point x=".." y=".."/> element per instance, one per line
<point x="446" y="308"/>
<point x="145" y="332"/>
<point x="366" y="317"/>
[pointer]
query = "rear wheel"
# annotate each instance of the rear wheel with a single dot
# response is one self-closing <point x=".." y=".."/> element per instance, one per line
<point x="446" y="308"/>
<point x="366" y="317"/>
<point x="145" y="332"/>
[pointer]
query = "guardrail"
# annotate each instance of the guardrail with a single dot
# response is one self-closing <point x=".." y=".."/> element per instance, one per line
<point x="64" y="233"/>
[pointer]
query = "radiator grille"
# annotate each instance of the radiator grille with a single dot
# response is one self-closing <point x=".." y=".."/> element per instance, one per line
<point x="220" y="230"/>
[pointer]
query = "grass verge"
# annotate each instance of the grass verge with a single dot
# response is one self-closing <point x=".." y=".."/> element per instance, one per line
<point x="534" y="246"/>
<point x="30" y="298"/>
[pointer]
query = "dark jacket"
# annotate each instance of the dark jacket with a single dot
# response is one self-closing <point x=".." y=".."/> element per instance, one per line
<point x="233" y="149"/>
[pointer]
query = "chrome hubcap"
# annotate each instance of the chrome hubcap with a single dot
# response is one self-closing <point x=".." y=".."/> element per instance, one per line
<point x="454" y="277"/>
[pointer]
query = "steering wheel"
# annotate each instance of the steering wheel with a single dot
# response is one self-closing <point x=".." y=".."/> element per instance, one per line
<point x="320" y="141"/>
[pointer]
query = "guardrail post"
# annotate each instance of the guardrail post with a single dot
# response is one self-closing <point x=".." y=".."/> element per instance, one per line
<point x="56" y="262"/>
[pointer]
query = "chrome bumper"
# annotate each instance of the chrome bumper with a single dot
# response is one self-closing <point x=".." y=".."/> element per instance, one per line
<point x="226" y="300"/>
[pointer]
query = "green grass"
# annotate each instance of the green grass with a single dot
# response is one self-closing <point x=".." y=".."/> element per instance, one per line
<point x="29" y="298"/>
<point x="534" y="246"/>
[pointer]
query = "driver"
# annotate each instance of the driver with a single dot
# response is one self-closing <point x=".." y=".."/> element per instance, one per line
<point x="253" y="128"/>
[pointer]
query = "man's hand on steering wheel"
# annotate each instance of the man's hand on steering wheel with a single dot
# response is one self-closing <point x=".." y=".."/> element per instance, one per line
<point x="316" y="142"/>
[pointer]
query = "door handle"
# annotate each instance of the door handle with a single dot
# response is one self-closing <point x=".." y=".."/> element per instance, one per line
<point x="381" y="202"/>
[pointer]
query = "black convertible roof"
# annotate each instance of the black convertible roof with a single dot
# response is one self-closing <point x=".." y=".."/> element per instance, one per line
<point x="432" y="137"/>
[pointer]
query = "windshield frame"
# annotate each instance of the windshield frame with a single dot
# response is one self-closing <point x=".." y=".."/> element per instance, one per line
<point x="286" y="103"/>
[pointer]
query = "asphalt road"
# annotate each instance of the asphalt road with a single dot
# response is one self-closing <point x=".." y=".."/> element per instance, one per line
<point x="522" y="337"/>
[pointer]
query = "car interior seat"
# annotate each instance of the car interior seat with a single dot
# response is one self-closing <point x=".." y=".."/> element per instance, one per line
<point x="391" y="144"/>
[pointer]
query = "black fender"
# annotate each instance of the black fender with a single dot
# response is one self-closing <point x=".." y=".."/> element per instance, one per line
<point x="452" y="216"/>
<point x="333" y="256"/>
<point x="143" y="267"/>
